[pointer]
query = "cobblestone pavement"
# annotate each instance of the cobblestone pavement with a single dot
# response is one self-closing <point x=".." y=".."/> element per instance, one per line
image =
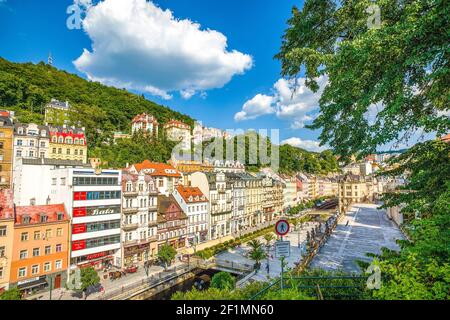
<point x="364" y="229"/>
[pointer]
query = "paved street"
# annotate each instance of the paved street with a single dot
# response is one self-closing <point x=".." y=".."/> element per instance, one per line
<point x="368" y="230"/>
<point x="239" y="254"/>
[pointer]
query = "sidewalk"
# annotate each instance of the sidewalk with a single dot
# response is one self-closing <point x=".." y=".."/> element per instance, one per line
<point x="108" y="285"/>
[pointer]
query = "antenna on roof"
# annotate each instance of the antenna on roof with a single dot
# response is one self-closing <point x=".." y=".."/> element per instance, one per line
<point x="50" y="59"/>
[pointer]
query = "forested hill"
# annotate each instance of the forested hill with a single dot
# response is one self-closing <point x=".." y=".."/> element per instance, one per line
<point x="26" y="88"/>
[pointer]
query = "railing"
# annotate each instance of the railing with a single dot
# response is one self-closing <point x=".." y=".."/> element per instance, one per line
<point x="129" y="210"/>
<point x="322" y="288"/>
<point x="130" y="226"/>
<point x="132" y="289"/>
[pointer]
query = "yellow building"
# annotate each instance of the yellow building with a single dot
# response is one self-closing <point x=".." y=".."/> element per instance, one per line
<point x="6" y="149"/>
<point x="68" y="143"/>
<point x="356" y="189"/>
<point x="6" y="237"/>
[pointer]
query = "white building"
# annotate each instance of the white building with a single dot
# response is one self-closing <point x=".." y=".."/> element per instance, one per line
<point x="238" y="220"/>
<point x="93" y="199"/>
<point x="195" y="205"/>
<point x="30" y="141"/>
<point x="179" y="132"/>
<point x="219" y="192"/>
<point x="144" y="123"/>
<point x="167" y="178"/>
<point x="139" y="218"/>
<point x="32" y="179"/>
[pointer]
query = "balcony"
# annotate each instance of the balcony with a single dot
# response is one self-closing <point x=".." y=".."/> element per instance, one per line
<point x="129" y="210"/>
<point x="130" y="226"/>
<point x="130" y="194"/>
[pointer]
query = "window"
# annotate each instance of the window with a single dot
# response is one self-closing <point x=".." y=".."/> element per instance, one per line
<point x="53" y="181"/>
<point x="68" y="151"/>
<point x="23" y="254"/>
<point x="42" y="144"/>
<point x="42" y="154"/>
<point x="47" y="267"/>
<point x="59" y="150"/>
<point x="24" y="236"/>
<point x="63" y="181"/>
<point x="58" y="247"/>
<point x="18" y="153"/>
<point x="1" y="272"/>
<point x="48" y="233"/>
<point x="19" y="142"/>
<point x="44" y="218"/>
<point x="2" y="252"/>
<point x="3" y="231"/>
<point x="81" y="152"/>
<point x="54" y="150"/>
<point x="48" y="250"/>
<point x="35" y="269"/>
<point x="36" y="252"/>
<point x="59" y="232"/>
<point x="37" y="235"/>
<point x="58" y="264"/>
<point x="22" y="272"/>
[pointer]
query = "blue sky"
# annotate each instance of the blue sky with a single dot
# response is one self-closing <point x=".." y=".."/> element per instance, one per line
<point x="210" y="59"/>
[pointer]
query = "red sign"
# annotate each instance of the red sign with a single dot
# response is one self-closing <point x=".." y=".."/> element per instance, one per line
<point x="79" y="228"/>
<point x="80" y="195"/>
<point x="96" y="255"/>
<point x="79" y="212"/>
<point x="78" y="245"/>
<point x="282" y="227"/>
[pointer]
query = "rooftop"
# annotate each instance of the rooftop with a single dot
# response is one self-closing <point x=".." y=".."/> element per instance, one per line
<point x="191" y="194"/>
<point x="156" y="169"/>
<point x="35" y="213"/>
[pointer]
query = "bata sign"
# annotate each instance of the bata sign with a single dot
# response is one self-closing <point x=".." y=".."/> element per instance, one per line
<point x="99" y="212"/>
<point x="94" y="211"/>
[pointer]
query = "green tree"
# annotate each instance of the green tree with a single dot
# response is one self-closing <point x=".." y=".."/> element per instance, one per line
<point x="257" y="255"/>
<point x="254" y="244"/>
<point x="401" y="68"/>
<point x="11" y="294"/>
<point x="166" y="254"/>
<point x="383" y="85"/>
<point x="269" y="237"/>
<point x="88" y="278"/>
<point x="223" y="280"/>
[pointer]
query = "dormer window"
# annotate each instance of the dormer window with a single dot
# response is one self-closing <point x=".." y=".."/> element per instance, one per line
<point x="54" y="139"/>
<point x="81" y="141"/>
<point x="60" y="216"/>
<point x="26" y="219"/>
<point x="76" y="141"/>
<point x="69" y="140"/>
<point x="190" y="199"/>
<point x="61" y="140"/>
<point x="43" y="218"/>
<point x="20" y="130"/>
<point x="43" y="133"/>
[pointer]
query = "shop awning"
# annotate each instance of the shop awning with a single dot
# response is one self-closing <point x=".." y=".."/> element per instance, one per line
<point x="32" y="284"/>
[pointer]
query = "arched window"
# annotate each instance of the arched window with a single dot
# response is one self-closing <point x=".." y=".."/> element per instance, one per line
<point x="69" y="140"/>
<point x="81" y="141"/>
<point x="54" y="139"/>
<point x="76" y="141"/>
<point x="61" y="140"/>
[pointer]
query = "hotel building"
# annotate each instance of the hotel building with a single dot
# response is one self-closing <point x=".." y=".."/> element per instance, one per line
<point x="139" y="218"/>
<point x="68" y="143"/>
<point x="41" y="248"/>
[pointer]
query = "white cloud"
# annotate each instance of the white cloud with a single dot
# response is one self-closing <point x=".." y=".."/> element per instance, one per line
<point x="259" y="105"/>
<point x="292" y="101"/>
<point x="309" y="145"/>
<point x="139" y="46"/>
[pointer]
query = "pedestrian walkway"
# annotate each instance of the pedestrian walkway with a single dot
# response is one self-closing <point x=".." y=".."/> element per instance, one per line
<point x="364" y="229"/>
<point x="107" y="284"/>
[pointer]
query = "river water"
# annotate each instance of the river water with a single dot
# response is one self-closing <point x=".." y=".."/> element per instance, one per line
<point x="201" y="281"/>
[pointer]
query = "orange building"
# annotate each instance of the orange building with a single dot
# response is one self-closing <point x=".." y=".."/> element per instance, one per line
<point x="6" y="236"/>
<point x="41" y="248"/>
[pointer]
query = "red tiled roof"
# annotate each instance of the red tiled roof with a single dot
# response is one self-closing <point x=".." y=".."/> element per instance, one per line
<point x="446" y="138"/>
<point x="187" y="192"/>
<point x="6" y="204"/>
<point x="35" y="212"/>
<point x="144" y="118"/>
<point x="158" y="169"/>
<point x="176" y="123"/>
